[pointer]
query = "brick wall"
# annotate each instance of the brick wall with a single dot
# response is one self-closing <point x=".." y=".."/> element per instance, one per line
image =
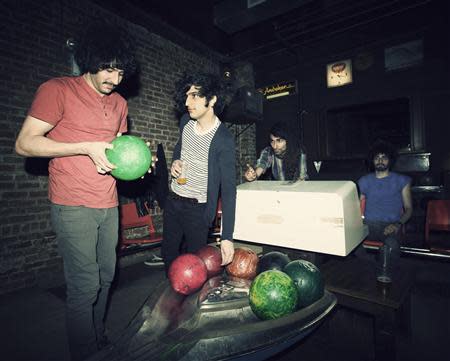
<point x="32" y="38"/>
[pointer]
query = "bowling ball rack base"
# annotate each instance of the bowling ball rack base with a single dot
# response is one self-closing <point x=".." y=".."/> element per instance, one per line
<point x="215" y="323"/>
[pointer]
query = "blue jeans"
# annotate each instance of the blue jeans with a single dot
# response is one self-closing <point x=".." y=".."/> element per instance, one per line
<point x="87" y="240"/>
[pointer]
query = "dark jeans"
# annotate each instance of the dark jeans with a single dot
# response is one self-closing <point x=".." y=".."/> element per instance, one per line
<point x="87" y="240"/>
<point x="389" y="253"/>
<point x="184" y="221"/>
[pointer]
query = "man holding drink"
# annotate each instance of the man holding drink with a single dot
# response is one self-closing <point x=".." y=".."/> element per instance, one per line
<point x="203" y="165"/>
<point x="181" y="179"/>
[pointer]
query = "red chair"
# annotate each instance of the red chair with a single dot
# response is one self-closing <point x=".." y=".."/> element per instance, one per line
<point x="437" y="219"/>
<point x="130" y="219"/>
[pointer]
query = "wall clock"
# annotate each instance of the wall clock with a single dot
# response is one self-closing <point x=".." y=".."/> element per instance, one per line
<point x="339" y="73"/>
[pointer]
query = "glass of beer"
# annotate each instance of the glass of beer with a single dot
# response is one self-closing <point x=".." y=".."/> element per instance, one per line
<point x="182" y="178"/>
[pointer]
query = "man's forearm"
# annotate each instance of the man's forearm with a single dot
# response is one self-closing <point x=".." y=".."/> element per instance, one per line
<point x="406" y="216"/>
<point x="259" y="171"/>
<point x="40" y="146"/>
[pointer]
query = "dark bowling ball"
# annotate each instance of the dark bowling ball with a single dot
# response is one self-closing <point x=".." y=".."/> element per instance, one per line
<point x="187" y="273"/>
<point x="131" y="156"/>
<point x="244" y="264"/>
<point x="273" y="261"/>
<point x="272" y="295"/>
<point x="212" y="257"/>
<point x="308" y="281"/>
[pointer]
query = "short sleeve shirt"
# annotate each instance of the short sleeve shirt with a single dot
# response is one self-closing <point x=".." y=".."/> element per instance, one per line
<point x="384" y="200"/>
<point x="79" y="114"/>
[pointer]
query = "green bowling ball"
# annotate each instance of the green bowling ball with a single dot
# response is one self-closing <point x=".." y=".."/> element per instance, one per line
<point x="272" y="295"/>
<point x="131" y="156"/>
<point x="308" y="281"/>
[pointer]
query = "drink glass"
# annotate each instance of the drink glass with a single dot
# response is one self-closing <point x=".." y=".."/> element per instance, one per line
<point x="182" y="178"/>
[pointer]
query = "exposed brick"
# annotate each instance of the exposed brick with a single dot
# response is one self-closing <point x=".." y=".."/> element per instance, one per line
<point x="28" y="185"/>
<point x="23" y="276"/>
<point x="32" y="52"/>
<point x="29" y="265"/>
<point x="21" y="245"/>
<point x="7" y="186"/>
<point x="39" y="194"/>
<point x="7" y="168"/>
<point x="20" y="219"/>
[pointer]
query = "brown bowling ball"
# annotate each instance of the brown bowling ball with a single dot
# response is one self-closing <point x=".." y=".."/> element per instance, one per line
<point x="244" y="265"/>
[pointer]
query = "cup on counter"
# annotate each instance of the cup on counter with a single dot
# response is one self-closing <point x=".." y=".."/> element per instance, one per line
<point x="182" y="178"/>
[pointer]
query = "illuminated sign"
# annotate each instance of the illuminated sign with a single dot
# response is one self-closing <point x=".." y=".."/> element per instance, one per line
<point x="279" y="89"/>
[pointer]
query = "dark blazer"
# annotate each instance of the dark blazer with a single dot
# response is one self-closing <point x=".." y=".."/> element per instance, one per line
<point x="221" y="176"/>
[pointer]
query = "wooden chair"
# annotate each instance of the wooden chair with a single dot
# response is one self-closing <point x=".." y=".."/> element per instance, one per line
<point x="437" y="219"/>
<point x="129" y="219"/>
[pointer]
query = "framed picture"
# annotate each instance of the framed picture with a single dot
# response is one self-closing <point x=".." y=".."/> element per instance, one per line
<point x="404" y="55"/>
<point x="339" y="73"/>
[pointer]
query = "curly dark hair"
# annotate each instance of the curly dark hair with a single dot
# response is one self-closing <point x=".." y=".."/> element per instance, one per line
<point x="382" y="147"/>
<point x="104" y="45"/>
<point x="210" y="85"/>
<point x="280" y="130"/>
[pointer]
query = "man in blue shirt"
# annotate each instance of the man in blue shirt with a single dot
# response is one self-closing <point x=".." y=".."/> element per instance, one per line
<point x="388" y="205"/>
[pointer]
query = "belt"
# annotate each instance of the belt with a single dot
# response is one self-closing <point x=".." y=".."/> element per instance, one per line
<point x="173" y="195"/>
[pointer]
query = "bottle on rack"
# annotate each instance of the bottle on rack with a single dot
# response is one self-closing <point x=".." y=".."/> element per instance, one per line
<point x="303" y="169"/>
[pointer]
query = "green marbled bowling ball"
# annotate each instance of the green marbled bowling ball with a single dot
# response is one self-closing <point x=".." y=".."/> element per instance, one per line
<point x="131" y="156"/>
<point x="272" y="295"/>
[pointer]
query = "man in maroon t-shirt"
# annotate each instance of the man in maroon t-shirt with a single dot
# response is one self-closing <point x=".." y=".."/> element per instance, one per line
<point x="73" y="120"/>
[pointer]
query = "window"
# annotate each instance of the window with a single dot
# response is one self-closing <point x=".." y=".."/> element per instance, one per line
<point x="351" y="130"/>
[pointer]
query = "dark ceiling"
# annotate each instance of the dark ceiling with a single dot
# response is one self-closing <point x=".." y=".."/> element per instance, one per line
<point x="194" y="18"/>
<point x="233" y="29"/>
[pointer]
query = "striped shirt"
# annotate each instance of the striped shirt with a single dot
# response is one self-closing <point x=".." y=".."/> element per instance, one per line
<point x="194" y="151"/>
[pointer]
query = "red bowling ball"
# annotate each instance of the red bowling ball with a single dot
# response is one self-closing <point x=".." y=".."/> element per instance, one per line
<point x="212" y="257"/>
<point x="187" y="273"/>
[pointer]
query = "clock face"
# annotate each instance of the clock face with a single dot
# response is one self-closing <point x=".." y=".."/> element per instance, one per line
<point x="339" y="73"/>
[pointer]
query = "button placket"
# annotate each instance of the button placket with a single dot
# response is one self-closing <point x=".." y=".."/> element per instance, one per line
<point x="104" y="108"/>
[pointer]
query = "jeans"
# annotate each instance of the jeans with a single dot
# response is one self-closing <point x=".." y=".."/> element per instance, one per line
<point x="183" y="221"/>
<point x="87" y="240"/>
<point x="389" y="254"/>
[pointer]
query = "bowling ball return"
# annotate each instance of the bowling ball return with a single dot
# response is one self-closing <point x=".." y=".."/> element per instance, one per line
<point x="215" y="323"/>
